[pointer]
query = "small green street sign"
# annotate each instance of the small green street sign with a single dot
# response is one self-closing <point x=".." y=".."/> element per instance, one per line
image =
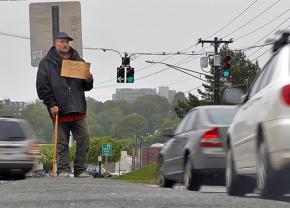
<point x="106" y="150"/>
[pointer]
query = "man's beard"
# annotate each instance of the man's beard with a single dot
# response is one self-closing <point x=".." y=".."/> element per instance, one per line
<point x="63" y="52"/>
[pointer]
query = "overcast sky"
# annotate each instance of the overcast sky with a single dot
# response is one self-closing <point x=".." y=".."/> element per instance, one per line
<point x="138" y="26"/>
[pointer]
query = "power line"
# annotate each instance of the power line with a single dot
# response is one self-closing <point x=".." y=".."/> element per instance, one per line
<point x="147" y="53"/>
<point x="261" y="55"/>
<point x="193" y="89"/>
<point x="268" y="35"/>
<point x="269" y="48"/>
<point x="252" y="47"/>
<point x="183" y="61"/>
<point x="252" y="19"/>
<point x="206" y="38"/>
<point x="261" y="26"/>
<point x="233" y="19"/>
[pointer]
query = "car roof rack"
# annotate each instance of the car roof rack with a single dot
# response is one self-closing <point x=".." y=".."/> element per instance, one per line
<point x="284" y="40"/>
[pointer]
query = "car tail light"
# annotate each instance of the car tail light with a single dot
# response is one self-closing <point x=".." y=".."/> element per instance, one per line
<point x="286" y="94"/>
<point x="211" y="138"/>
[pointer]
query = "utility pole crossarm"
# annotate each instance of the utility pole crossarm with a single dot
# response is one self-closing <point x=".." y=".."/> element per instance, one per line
<point x="216" y="43"/>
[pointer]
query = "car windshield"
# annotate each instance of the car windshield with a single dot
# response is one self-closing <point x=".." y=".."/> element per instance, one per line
<point x="11" y="131"/>
<point x="221" y="116"/>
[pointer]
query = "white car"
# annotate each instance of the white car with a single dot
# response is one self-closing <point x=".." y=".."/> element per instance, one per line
<point x="258" y="141"/>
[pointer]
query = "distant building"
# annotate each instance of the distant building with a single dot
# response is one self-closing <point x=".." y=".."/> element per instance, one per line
<point x="16" y="107"/>
<point x="165" y="92"/>
<point x="130" y="95"/>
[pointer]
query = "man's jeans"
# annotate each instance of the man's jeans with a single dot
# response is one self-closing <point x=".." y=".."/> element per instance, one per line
<point x="81" y="133"/>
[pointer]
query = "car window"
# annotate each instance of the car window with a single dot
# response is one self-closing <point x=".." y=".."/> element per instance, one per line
<point x="11" y="131"/>
<point x="255" y="87"/>
<point x="181" y="126"/>
<point x="264" y="78"/>
<point x="191" y="123"/>
<point x="27" y="129"/>
<point x="269" y="71"/>
<point x="221" y="116"/>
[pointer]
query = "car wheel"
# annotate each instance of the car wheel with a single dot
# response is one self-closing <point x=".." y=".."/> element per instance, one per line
<point x="235" y="184"/>
<point x="266" y="183"/>
<point x="192" y="179"/>
<point x="164" y="182"/>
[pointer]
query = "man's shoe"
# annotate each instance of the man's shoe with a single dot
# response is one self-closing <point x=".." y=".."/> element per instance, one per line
<point x="83" y="175"/>
<point x="64" y="175"/>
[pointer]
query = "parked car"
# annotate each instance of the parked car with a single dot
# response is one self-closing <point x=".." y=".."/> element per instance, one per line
<point x="39" y="174"/>
<point x="195" y="153"/>
<point x="258" y="143"/>
<point x="17" y="148"/>
<point x="94" y="171"/>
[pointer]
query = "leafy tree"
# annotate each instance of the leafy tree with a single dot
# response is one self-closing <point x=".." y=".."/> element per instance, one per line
<point x="122" y="105"/>
<point x="5" y="110"/>
<point x="95" y="149"/>
<point x="183" y="107"/>
<point x="169" y="123"/>
<point x="36" y="114"/>
<point x="151" y="104"/>
<point x="109" y="118"/>
<point x="46" y="157"/>
<point x="154" y="122"/>
<point x="131" y="125"/>
<point x="144" y="107"/>
<point x="179" y="96"/>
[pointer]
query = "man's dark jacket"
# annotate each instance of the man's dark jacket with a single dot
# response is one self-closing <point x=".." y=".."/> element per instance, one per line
<point x="66" y="93"/>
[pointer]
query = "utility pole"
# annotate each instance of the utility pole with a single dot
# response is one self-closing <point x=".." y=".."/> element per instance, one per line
<point x="216" y="43"/>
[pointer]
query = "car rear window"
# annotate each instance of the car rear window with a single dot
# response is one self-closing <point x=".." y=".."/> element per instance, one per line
<point x="221" y="116"/>
<point x="11" y="131"/>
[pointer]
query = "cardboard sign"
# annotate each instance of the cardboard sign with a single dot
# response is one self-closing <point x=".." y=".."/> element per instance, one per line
<point x="75" y="69"/>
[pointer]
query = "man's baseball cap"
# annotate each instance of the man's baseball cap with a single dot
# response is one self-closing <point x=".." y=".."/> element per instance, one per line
<point x="62" y="35"/>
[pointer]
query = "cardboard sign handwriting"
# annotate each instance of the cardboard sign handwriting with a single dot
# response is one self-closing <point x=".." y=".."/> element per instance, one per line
<point x="75" y="69"/>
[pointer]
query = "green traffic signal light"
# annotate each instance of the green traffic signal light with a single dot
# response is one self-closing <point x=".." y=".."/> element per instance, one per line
<point x="130" y="75"/>
<point x="130" y="79"/>
<point x="226" y="73"/>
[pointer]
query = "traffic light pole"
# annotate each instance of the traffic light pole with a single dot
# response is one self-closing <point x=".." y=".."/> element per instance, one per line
<point x="216" y="43"/>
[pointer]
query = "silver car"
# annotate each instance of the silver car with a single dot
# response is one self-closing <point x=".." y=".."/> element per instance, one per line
<point x="258" y="141"/>
<point x="195" y="153"/>
<point x="17" y="148"/>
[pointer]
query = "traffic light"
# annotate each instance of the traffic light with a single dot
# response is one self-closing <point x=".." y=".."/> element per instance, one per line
<point x="226" y="67"/>
<point x="130" y="74"/>
<point x="120" y="75"/>
<point x="126" y="60"/>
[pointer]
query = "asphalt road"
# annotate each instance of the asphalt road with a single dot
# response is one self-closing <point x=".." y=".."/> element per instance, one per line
<point x="72" y="192"/>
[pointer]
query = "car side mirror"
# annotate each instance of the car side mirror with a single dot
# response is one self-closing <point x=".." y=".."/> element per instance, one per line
<point x="234" y="96"/>
<point x="168" y="132"/>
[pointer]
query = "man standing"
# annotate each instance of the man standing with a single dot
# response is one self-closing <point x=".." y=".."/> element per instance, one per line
<point x="65" y="97"/>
